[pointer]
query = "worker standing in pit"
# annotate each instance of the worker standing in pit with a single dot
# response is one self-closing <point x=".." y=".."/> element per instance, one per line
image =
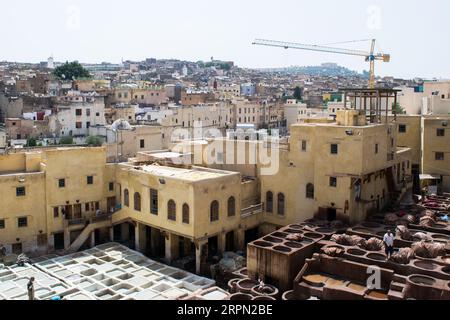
<point x="30" y="288"/>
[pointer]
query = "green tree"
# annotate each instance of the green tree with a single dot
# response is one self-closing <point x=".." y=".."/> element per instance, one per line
<point x="71" y="71"/>
<point x="298" y="93"/>
<point x="95" y="141"/>
<point x="66" y="140"/>
<point x="397" y="109"/>
<point x="31" y="142"/>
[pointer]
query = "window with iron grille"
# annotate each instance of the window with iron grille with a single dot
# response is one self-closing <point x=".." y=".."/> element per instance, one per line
<point x="22" y="222"/>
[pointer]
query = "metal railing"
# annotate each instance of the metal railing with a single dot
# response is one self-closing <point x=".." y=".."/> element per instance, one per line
<point x="252" y="210"/>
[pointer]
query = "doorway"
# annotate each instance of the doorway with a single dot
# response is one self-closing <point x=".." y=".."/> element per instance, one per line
<point x="59" y="240"/>
<point x="229" y="241"/>
<point x="213" y="246"/>
<point x="331" y="214"/>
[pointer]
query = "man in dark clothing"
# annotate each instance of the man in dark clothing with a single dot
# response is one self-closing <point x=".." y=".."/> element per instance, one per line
<point x="30" y="288"/>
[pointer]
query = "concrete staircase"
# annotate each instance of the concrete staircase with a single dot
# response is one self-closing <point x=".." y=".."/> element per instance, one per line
<point x="87" y="231"/>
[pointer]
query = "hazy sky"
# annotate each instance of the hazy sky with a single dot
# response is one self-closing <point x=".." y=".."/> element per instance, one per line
<point x="414" y="32"/>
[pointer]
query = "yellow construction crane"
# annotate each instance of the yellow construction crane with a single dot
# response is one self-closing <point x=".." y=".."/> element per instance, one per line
<point x="370" y="56"/>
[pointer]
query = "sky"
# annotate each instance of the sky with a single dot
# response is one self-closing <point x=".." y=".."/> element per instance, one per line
<point x="414" y="32"/>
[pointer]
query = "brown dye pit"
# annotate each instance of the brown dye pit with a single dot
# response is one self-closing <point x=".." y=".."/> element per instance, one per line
<point x="370" y="225"/>
<point x="280" y="234"/>
<point x="324" y="230"/>
<point x="425" y="265"/>
<point x="378" y="295"/>
<point x="439" y="226"/>
<point x="313" y="235"/>
<point x="446" y="270"/>
<point x="356" y="287"/>
<point x="263" y="244"/>
<point x="316" y="279"/>
<point x="362" y="230"/>
<point x="381" y="233"/>
<point x="291" y="230"/>
<point x="295" y="226"/>
<point x="247" y="283"/>
<point x="294" y="245"/>
<point x="282" y="249"/>
<point x="272" y="239"/>
<point x="240" y="296"/>
<point x="422" y="280"/>
<point x="356" y="252"/>
<point x="440" y="237"/>
<point x="335" y="282"/>
<point x="376" y="256"/>
<point x="263" y="298"/>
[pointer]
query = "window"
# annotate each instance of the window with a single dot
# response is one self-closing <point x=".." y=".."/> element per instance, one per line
<point x="440" y="132"/>
<point x="214" y="212"/>
<point x="87" y="207"/>
<point x="88" y="112"/>
<point x="2" y="224"/>
<point x="334" y="149"/>
<point x="88" y="125"/>
<point x="310" y="191"/>
<point x="376" y="148"/>
<point x="79" y="125"/>
<point x="186" y="213"/>
<point x="97" y="205"/>
<point x="55" y="212"/>
<point x="154" y="201"/>
<point x="62" y="183"/>
<point x="111" y="186"/>
<point x="137" y="201"/>
<point x="269" y="201"/>
<point x="97" y="114"/>
<point x="333" y="182"/>
<point x="231" y="207"/>
<point x="304" y="145"/>
<point x="90" y="180"/>
<point x="126" y="197"/>
<point x="402" y="128"/>
<point x="142" y="144"/>
<point x="20" y="191"/>
<point x="78" y="112"/>
<point x="281" y="204"/>
<point x="439" y="156"/>
<point x="171" y="210"/>
<point x="22" y="222"/>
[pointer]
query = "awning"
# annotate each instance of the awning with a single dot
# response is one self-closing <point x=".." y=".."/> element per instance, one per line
<point x="429" y="177"/>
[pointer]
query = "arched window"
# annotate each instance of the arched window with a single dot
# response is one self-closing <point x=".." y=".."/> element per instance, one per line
<point x="310" y="191"/>
<point x="281" y="204"/>
<point x="214" y="214"/>
<point x="172" y="210"/>
<point x="186" y="213"/>
<point x="126" y="198"/>
<point x="137" y="201"/>
<point x="231" y="207"/>
<point x="269" y="201"/>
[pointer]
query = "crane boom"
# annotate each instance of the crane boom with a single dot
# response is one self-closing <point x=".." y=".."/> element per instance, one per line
<point x="370" y="56"/>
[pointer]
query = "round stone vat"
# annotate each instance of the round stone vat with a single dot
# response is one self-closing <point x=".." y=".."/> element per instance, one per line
<point x="245" y="285"/>
<point x="263" y="244"/>
<point x="356" y="252"/>
<point x="290" y="230"/>
<point x="272" y="239"/>
<point x="313" y="235"/>
<point x="370" y="225"/>
<point x="295" y="226"/>
<point x="324" y="230"/>
<point x="361" y="230"/>
<point x="264" y="298"/>
<point x="294" y="245"/>
<point x="232" y="285"/>
<point x="267" y="290"/>
<point x="281" y="234"/>
<point x="446" y="270"/>
<point x="440" y="237"/>
<point x="288" y="295"/>
<point x="427" y="265"/>
<point x="376" y="256"/>
<point x="422" y="280"/>
<point x="282" y="249"/>
<point x="240" y="296"/>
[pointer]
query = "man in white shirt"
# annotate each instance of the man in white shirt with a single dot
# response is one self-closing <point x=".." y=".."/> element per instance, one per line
<point x="388" y="240"/>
